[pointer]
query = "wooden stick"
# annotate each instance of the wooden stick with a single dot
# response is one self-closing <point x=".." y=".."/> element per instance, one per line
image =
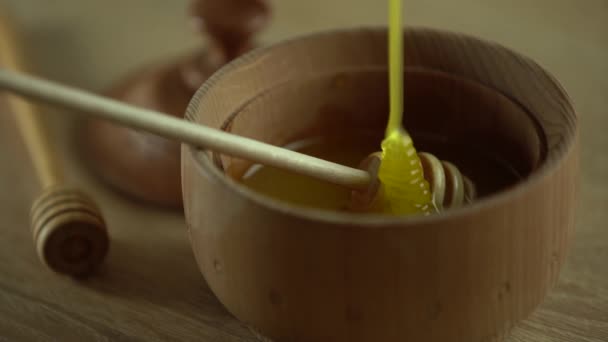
<point x="181" y="130"/>
<point x="67" y="227"/>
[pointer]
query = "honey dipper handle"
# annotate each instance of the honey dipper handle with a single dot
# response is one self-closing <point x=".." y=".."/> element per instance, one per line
<point x="184" y="131"/>
<point x="28" y="121"/>
<point x="68" y="229"/>
<point x="37" y="142"/>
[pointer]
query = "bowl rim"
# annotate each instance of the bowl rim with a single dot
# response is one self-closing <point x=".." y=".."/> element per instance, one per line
<point x="205" y="165"/>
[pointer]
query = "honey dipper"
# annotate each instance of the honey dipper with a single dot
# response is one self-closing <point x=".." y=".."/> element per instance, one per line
<point x="448" y="186"/>
<point x="68" y="229"/>
<point x="185" y="132"/>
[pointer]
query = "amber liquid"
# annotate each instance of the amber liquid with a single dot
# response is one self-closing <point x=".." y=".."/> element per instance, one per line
<point x="489" y="174"/>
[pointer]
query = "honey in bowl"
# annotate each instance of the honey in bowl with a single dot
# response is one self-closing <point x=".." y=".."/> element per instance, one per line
<point x="489" y="173"/>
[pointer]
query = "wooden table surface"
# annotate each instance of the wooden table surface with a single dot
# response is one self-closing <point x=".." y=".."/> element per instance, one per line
<point x="149" y="288"/>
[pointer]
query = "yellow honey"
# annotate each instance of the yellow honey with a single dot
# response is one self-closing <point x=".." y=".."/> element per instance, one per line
<point x="489" y="173"/>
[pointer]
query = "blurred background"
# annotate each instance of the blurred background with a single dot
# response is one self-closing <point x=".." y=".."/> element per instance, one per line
<point x="91" y="43"/>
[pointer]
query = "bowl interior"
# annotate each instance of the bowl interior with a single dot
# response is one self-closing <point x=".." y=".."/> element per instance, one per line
<point x="456" y="119"/>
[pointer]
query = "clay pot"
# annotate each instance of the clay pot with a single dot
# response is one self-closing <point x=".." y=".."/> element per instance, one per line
<point x="144" y="166"/>
<point x="467" y="274"/>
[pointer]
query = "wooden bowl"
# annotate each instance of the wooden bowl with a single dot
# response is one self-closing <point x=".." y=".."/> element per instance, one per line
<point x="467" y="274"/>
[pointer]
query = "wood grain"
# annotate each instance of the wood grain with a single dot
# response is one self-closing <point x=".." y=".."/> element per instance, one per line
<point x="159" y="301"/>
